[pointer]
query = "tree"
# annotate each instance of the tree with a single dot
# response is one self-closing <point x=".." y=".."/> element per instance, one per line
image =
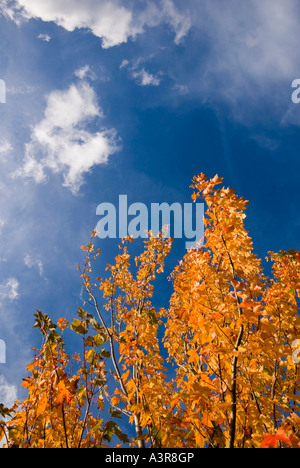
<point x="58" y="410"/>
<point x="226" y="376"/>
<point x="230" y="330"/>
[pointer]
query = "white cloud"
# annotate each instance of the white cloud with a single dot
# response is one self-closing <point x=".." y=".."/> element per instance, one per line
<point x="109" y="20"/>
<point x="8" y="393"/>
<point x="11" y="10"/>
<point x="21" y="89"/>
<point x="8" y="397"/>
<point x="142" y="77"/>
<point x="124" y="64"/>
<point x="145" y="79"/>
<point x="5" y="147"/>
<point x="9" y="290"/>
<point x="258" y="39"/>
<point x="2" y="224"/>
<point x="33" y="262"/>
<point x="44" y="37"/>
<point x="85" y="72"/>
<point x="244" y="54"/>
<point x="62" y="144"/>
<point x="165" y="12"/>
<point x="180" y="22"/>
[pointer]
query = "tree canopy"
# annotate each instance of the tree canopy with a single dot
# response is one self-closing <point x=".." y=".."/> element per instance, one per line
<point x="215" y="369"/>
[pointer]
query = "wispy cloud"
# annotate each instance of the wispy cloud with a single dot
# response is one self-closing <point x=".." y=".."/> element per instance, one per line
<point x="145" y="79"/>
<point x="85" y="72"/>
<point x="62" y="142"/>
<point x="34" y="262"/>
<point x="5" y="147"/>
<point x="44" y="37"/>
<point x="246" y="59"/>
<point x="179" y="21"/>
<point x="140" y="75"/>
<point x="2" y="224"/>
<point x="9" y="290"/>
<point x="166" y="12"/>
<point x="12" y="10"/>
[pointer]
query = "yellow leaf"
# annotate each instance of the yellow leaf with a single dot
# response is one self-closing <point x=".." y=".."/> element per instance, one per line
<point x="115" y="401"/>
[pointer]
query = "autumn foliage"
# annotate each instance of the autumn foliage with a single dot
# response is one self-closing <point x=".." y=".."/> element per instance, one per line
<point x="215" y="369"/>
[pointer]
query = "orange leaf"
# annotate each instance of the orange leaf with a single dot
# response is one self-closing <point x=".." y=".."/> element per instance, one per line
<point x="42" y="406"/>
<point x="271" y="441"/>
<point x="175" y="401"/>
<point x="248" y="304"/>
<point x="281" y="435"/>
<point x="64" y="396"/>
<point x="2" y="433"/>
<point x="62" y="323"/>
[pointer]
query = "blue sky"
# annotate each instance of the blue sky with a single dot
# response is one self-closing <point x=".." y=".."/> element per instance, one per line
<point x="106" y="97"/>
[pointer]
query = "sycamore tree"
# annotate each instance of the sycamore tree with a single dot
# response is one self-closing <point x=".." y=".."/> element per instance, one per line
<point x="224" y="375"/>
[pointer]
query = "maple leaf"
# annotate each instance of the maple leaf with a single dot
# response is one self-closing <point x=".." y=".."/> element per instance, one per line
<point x="64" y="395"/>
<point x="271" y="441"/>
